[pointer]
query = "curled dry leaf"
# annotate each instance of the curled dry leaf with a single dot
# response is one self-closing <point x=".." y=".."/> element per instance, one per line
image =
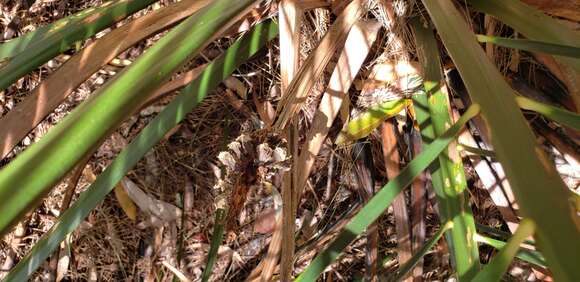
<point x="265" y="110"/>
<point x="266" y="222"/>
<point x="160" y="212"/>
<point x="125" y="202"/>
<point x="63" y="260"/>
<point x="238" y="86"/>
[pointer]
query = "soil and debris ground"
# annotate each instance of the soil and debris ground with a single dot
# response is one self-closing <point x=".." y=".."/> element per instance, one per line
<point x="183" y="171"/>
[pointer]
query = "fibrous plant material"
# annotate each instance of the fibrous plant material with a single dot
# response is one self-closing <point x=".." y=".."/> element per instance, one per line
<point x="79" y="133"/>
<point x="178" y="274"/>
<point x="186" y="154"/>
<point x="569" y="9"/>
<point x="310" y="4"/>
<point x="316" y="62"/>
<point x="191" y="96"/>
<point x="530" y="172"/>
<point x="419" y="193"/>
<point x="420" y="253"/>
<point x="275" y="241"/>
<point x="289" y="21"/>
<point x="52" y="91"/>
<point x="357" y="46"/>
<point x="363" y="170"/>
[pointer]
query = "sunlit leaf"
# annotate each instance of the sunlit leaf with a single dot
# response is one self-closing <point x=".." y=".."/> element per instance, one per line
<point x="554" y="113"/>
<point x="368" y="121"/>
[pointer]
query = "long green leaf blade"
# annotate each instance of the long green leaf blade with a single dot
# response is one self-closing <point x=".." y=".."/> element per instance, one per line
<point x="448" y="176"/>
<point x="504" y="235"/>
<point x="19" y="44"/>
<point x="500" y="263"/>
<point x="560" y="115"/>
<point x="476" y="151"/>
<point x="532" y="23"/>
<point x="28" y="177"/>
<point x="530" y="256"/>
<point x="174" y="113"/>
<point x="381" y="201"/>
<point x="541" y="193"/>
<point x="216" y="241"/>
<point x="531" y="46"/>
<point x="44" y="44"/>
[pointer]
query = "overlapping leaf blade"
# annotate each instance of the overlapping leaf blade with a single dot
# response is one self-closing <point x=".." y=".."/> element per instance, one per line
<point x="530" y="256"/>
<point x="448" y="176"/>
<point x="407" y="267"/>
<point x="501" y="261"/>
<point x="47" y="42"/>
<point x="381" y="201"/>
<point x="532" y="46"/>
<point x="532" y="23"/>
<point x="27" y="178"/>
<point x="540" y="191"/>
<point x="174" y="113"/>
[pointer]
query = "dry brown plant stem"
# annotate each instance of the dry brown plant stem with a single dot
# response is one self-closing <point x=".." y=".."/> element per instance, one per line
<point x="392" y="164"/>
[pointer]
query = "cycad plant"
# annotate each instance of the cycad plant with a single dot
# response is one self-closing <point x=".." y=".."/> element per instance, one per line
<point x="550" y="211"/>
